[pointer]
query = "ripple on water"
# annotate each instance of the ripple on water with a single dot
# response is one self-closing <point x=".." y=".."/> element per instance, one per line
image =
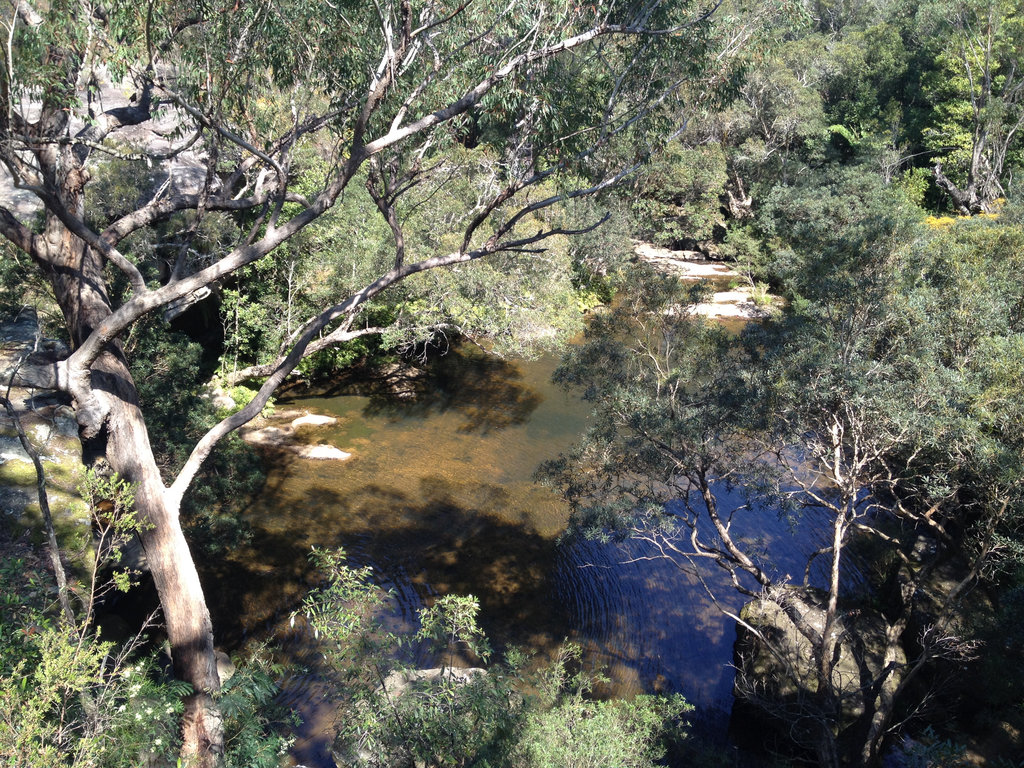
<point x="439" y="498"/>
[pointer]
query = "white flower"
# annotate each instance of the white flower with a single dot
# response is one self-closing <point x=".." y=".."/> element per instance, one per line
<point x="158" y="742"/>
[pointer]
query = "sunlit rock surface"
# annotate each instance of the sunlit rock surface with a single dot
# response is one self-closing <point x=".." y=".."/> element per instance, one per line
<point x="285" y="437"/>
<point x="732" y="296"/>
<point x="50" y="426"/>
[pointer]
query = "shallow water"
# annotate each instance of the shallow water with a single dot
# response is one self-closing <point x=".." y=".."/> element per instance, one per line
<point x="439" y="497"/>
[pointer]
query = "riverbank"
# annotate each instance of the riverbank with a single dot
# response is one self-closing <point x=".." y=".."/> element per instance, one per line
<point x="732" y="298"/>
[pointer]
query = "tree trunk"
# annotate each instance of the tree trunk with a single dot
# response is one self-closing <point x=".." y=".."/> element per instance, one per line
<point x="186" y="615"/>
<point x="80" y="288"/>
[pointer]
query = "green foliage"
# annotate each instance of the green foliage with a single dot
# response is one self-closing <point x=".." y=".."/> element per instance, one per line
<point x="573" y="730"/>
<point x="117" y="187"/>
<point x="255" y="726"/>
<point x="863" y="90"/>
<point x="831" y="230"/>
<point x="391" y="714"/>
<point x="878" y="382"/>
<point x="111" y="502"/>
<point x="171" y="373"/>
<point x="78" y="702"/>
<point x="915" y="183"/>
<point x="445" y="719"/>
<point x="935" y="752"/>
<point x="67" y="697"/>
<point x="975" y="92"/>
<point x="326" y="363"/>
<point x="242" y="396"/>
<point x="677" y="193"/>
<point x="518" y="302"/>
<point x="246" y="322"/>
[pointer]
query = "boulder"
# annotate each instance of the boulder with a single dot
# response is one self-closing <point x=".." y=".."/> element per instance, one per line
<point x="775" y="662"/>
<point x="49" y="423"/>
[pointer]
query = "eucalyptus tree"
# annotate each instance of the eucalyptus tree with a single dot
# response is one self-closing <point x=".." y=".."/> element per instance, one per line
<point x="865" y="407"/>
<point x="979" y="91"/>
<point x="233" y="95"/>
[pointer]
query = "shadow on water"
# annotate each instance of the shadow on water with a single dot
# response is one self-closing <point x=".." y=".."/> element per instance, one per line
<point x="445" y="540"/>
<point x="439" y="498"/>
<point x="488" y="392"/>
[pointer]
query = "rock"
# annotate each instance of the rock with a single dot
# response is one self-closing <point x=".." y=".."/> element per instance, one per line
<point x="50" y="425"/>
<point x="313" y="420"/>
<point x="322" y="452"/>
<point x="221" y="400"/>
<point x="779" y="665"/>
<point x="133" y="555"/>
<point x="690" y="255"/>
<point x="398" y="682"/>
<point x="273" y="436"/>
<point x="284" y="438"/>
<point x="225" y="666"/>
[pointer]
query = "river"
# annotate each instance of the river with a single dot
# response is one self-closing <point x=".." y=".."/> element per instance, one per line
<point x="439" y="497"/>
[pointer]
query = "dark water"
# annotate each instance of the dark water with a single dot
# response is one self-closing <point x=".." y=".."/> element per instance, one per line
<point x="439" y="497"/>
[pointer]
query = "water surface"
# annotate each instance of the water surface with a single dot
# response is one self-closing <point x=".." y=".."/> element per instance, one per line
<point x="439" y="497"/>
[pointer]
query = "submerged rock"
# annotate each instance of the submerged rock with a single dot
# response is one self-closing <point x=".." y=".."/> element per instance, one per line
<point x="284" y="438"/>
<point x="313" y="420"/>
<point x="322" y="452"/>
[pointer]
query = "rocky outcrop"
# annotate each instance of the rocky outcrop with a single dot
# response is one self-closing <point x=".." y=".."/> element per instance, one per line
<point x="775" y="662"/>
<point x="50" y="426"/>
<point x="731" y="297"/>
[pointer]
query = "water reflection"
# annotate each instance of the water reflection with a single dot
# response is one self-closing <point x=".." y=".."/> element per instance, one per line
<point x="439" y="498"/>
<point x="489" y="393"/>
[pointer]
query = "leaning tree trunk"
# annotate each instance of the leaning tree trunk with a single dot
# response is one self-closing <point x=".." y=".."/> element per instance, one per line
<point x="186" y="616"/>
<point x="76" y="275"/>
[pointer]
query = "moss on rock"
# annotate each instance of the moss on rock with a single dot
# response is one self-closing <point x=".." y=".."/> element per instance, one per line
<point x="50" y="426"/>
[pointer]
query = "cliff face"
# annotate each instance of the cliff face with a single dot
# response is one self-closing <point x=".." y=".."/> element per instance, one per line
<point x="50" y="425"/>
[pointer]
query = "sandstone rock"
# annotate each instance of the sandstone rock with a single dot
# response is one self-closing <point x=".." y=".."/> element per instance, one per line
<point x="284" y="438"/>
<point x="225" y="666"/>
<point x="322" y="452"/>
<point x="313" y="420"/>
<point x="49" y="423"/>
<point x="779" y="664"/>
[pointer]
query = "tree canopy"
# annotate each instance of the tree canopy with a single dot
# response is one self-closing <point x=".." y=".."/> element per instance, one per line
<point x="248" y="125"/>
